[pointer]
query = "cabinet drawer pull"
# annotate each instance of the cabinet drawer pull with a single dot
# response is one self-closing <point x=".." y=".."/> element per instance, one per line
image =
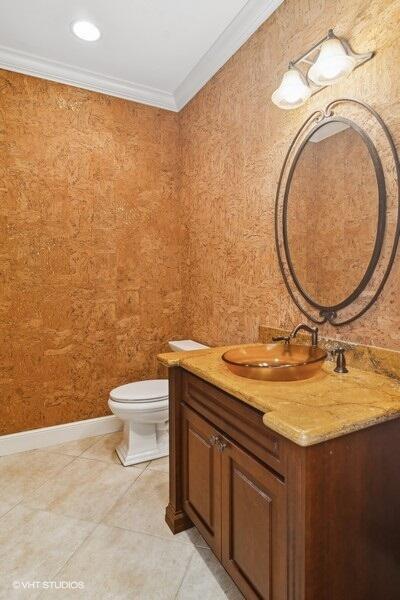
<point x="221" y="445"/>
<point x="218" y="442"/>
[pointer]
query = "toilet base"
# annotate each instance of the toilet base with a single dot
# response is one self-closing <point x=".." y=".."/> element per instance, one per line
<point x="142" y="442"/>
<point x="128" y="460"/>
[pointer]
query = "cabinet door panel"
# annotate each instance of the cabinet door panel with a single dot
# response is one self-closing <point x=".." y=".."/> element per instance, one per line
<point x="253" y="526"/>
<point x="202" y="478"/>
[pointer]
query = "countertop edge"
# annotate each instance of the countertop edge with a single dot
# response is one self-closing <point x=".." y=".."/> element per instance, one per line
<point x="271" y="418"/>
<point x="306" y="441"/>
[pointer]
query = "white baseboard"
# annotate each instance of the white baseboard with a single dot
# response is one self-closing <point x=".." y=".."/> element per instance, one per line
<point x="58" y="434"/>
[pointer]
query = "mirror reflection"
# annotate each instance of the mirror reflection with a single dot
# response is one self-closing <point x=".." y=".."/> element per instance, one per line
<point x="332" y="213"/>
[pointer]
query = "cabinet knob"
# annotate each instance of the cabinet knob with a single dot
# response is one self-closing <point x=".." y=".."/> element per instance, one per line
<point x="221" y="445"/>
<point x="218" y="442"/>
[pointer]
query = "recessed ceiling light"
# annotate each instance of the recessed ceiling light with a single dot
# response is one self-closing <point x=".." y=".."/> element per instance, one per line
<point x="85" y="30"/>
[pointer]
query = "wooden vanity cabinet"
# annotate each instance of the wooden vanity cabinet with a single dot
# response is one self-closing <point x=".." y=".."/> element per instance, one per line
<point x="201" y="477"/>
<point x="220" y="483"/>
<point x="286" y="522"/>
<point x="254" y="531"/>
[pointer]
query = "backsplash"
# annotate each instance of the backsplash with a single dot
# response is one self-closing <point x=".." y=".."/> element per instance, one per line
<point x="367" y="358"/>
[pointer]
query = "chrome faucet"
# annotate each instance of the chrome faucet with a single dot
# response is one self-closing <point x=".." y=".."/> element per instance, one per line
<point x="312" y="330"/>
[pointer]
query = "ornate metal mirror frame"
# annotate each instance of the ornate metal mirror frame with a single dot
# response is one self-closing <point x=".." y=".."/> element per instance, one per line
<point x="382" y="150"/>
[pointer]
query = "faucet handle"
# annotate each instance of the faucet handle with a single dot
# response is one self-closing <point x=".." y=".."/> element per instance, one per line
<point x="314" y="336"/>
<point x="282" y="338"/>
<point x="340" y="361"/>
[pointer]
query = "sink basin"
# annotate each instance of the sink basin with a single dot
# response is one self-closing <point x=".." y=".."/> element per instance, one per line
<point x="275" y="362"/>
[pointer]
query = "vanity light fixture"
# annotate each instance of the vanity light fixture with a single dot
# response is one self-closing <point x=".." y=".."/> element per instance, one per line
<point x="293" y="91"/>
<point x="85" y="30"/>
<point x="328" y="61"/>
<point x="333" y="63"/>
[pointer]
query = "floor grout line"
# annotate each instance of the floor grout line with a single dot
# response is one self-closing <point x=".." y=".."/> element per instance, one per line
<point x="184" y="574"/>
<point x="25" y="502"/>
<point x="158" y="537"/>
<point x="137" y="472"/>
<point x="97" y="525"/>
<point x="119" y="498"/>
<point x="47" y="480"/>
<point x="73" y="554"/>
<point x="102" y="460"/>
<point x="95" y="437"/>
<point x="22" y="500"/>
<point x="123" y="494"/>
<point x="10" y="509"/>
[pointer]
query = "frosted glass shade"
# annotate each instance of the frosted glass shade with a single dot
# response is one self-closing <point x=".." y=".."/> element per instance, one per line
<point x="293" y="91"/>
<point x="332" y="65"/>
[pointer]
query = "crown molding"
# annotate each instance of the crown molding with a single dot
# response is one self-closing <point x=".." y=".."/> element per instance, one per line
<point x="29" y="64"/>
<point x="247" y="21"/>
<point x="241" y="28"/>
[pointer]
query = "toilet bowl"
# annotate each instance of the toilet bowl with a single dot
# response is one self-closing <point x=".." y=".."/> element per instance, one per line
<point x="143" y="408"/>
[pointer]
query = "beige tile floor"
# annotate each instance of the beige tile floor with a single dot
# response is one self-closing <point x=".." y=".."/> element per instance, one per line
<point x="71" y="515"/>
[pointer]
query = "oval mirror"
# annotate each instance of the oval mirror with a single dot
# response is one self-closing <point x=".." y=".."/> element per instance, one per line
<point x="337" y="213"/>
<point x="332" y="221"/>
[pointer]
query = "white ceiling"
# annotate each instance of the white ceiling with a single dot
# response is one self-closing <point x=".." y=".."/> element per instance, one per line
<point x="159" y="52"/>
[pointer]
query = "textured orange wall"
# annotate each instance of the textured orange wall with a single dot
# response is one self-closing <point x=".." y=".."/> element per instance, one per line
<point x="91" y="247"/>
<point x="98" y="256"/>
<point x="233" y="145"/>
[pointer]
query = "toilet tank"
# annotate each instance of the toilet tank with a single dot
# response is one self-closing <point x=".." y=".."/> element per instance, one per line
<point x="183" y="345"/>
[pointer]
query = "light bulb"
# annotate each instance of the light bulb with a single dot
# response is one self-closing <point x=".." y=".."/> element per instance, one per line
<point x="293" y="90"/>
<point x="332" y="65"/>
<point x="86" y="31"/>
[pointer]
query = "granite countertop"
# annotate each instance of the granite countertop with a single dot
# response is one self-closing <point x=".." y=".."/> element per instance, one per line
<point x="307" y="412"/>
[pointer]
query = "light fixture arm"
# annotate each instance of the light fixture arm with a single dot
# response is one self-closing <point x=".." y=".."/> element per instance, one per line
<point x="313" y="48"/>
<point x="360" y="58"/>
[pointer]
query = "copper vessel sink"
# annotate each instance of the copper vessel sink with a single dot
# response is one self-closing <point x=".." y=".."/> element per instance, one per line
<point x="275" y="362"/>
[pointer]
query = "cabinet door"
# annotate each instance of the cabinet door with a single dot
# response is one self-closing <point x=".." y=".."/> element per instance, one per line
<point x="202" y="477"/>
<point x="254" y="546"/>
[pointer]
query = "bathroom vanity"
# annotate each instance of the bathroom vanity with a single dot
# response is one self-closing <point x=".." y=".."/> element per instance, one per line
<point x="294" y="485"/>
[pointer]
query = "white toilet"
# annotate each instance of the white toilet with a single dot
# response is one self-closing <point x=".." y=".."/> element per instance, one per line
<point x="143" y="408"/>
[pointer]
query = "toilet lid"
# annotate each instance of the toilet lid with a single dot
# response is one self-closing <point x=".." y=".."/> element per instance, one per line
<point x="149" y="390"/>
